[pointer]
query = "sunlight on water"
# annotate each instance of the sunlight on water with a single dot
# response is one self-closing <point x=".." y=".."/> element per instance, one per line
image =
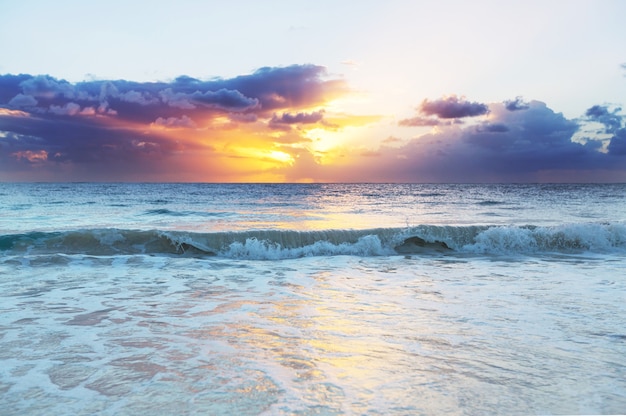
<point x="346" y="334"/>
<point x="519" y="317"/>
<point x="213" y="207"/>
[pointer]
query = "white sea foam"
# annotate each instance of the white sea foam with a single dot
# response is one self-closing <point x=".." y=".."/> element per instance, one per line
<point x="253" y="248"/>
<point x="565" y="238"/>
<point x="281" y="244"/>
<point x="154" y="334"/>
<point x="123" y="299"/>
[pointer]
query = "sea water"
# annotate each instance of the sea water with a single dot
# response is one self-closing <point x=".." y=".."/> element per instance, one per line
<point x="189" y="299"/>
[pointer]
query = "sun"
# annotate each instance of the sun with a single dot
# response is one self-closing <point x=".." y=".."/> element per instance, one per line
<point x="280" y="156"/>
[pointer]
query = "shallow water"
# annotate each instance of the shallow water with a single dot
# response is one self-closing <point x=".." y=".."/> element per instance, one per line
<point x="498" y="324"/>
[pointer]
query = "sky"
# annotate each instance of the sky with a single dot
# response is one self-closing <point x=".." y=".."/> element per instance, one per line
<point x="324" y="91"/>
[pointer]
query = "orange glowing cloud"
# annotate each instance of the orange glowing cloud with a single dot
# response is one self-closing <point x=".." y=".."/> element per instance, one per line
<point x="31" y="156"/>
<point x="243" y="128"/>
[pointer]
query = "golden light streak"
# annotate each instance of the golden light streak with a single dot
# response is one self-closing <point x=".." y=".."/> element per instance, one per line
<point x="281" y="156"/>
<point x="262" y="155"/>
<point x="13" y="113"/>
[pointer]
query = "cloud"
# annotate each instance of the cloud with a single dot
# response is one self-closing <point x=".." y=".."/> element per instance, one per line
<point x="265" y="91"/>
<point x="296" y="86"/>
<point x="533" y="145"/>
<point x="392" y="139"/>
<point x="88" y="111"/>
<point x="611" y="120"/>
<point x="493" y="127"/>
<point x="444" y="112"/>
<point x="516" y="104"/>
<point x="193" y="129"/>
<point x="453" y="107"/>
<point x="419" y="121"/>
<point x="76" y="140"/>
<point x="30" y="156"/>
<point x="176" y="99"/>
<point x="232" y="100"/>
<point x="307" y="118"/>
<point x="47" y="87"/>
<point x="138" y="97"/>
<point x="138" y="126"/>
<point x="182" y="122"/>
<point x="287" y="119"/>
<point x="243" y="117"/>
<point x="617" y="145"/>
<point x="10" y="86"/>
<point x="614" y="125"/>
<point x="69" y="109"/>
<point x="22" y="100"/>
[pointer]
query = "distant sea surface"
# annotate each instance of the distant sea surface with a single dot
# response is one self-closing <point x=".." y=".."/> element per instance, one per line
<point x="390" y="299"/>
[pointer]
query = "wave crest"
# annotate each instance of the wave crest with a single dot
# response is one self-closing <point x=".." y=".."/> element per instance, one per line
<point x="280" y="244"/>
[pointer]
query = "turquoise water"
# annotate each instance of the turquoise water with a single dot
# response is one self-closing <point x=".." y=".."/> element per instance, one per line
<point x="311" y="299"/>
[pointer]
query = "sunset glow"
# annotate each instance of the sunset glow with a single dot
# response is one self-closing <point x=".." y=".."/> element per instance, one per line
<point x="390" y="110"/>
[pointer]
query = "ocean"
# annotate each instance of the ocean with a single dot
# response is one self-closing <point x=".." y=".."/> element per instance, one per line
<point x="312" y="299"/>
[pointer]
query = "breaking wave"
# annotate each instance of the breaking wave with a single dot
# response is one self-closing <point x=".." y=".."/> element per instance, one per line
<point x="280" y="244"/>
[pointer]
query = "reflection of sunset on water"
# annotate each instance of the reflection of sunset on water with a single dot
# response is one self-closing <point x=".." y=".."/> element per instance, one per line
<point x="335" y="330"/>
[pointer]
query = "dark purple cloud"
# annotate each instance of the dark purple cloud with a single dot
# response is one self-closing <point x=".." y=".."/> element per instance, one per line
<point x="453" y="107"/>
<point x="110" y="120"/>
<point x="287" y="119"/>
<point x="612" y="120"/>
<point x="78" y="140"/>
<point x="493" y="128"/>
<point x="617" y="145"/>
<point x="231" y="100"/>
<point x="23" y="101"/>
<point x="596" y="111"/>
<point x="262" y="92"/>
<point x="444" y="112"/>
<point x="614" y="124"/>
<point x="288" y="87"/>
<point x="305" y="118"/>
<point x="516" y="104"/>
<point x="10" y="86"/>
<point x="533" y="145"/>
<point x="47" y="87"/>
